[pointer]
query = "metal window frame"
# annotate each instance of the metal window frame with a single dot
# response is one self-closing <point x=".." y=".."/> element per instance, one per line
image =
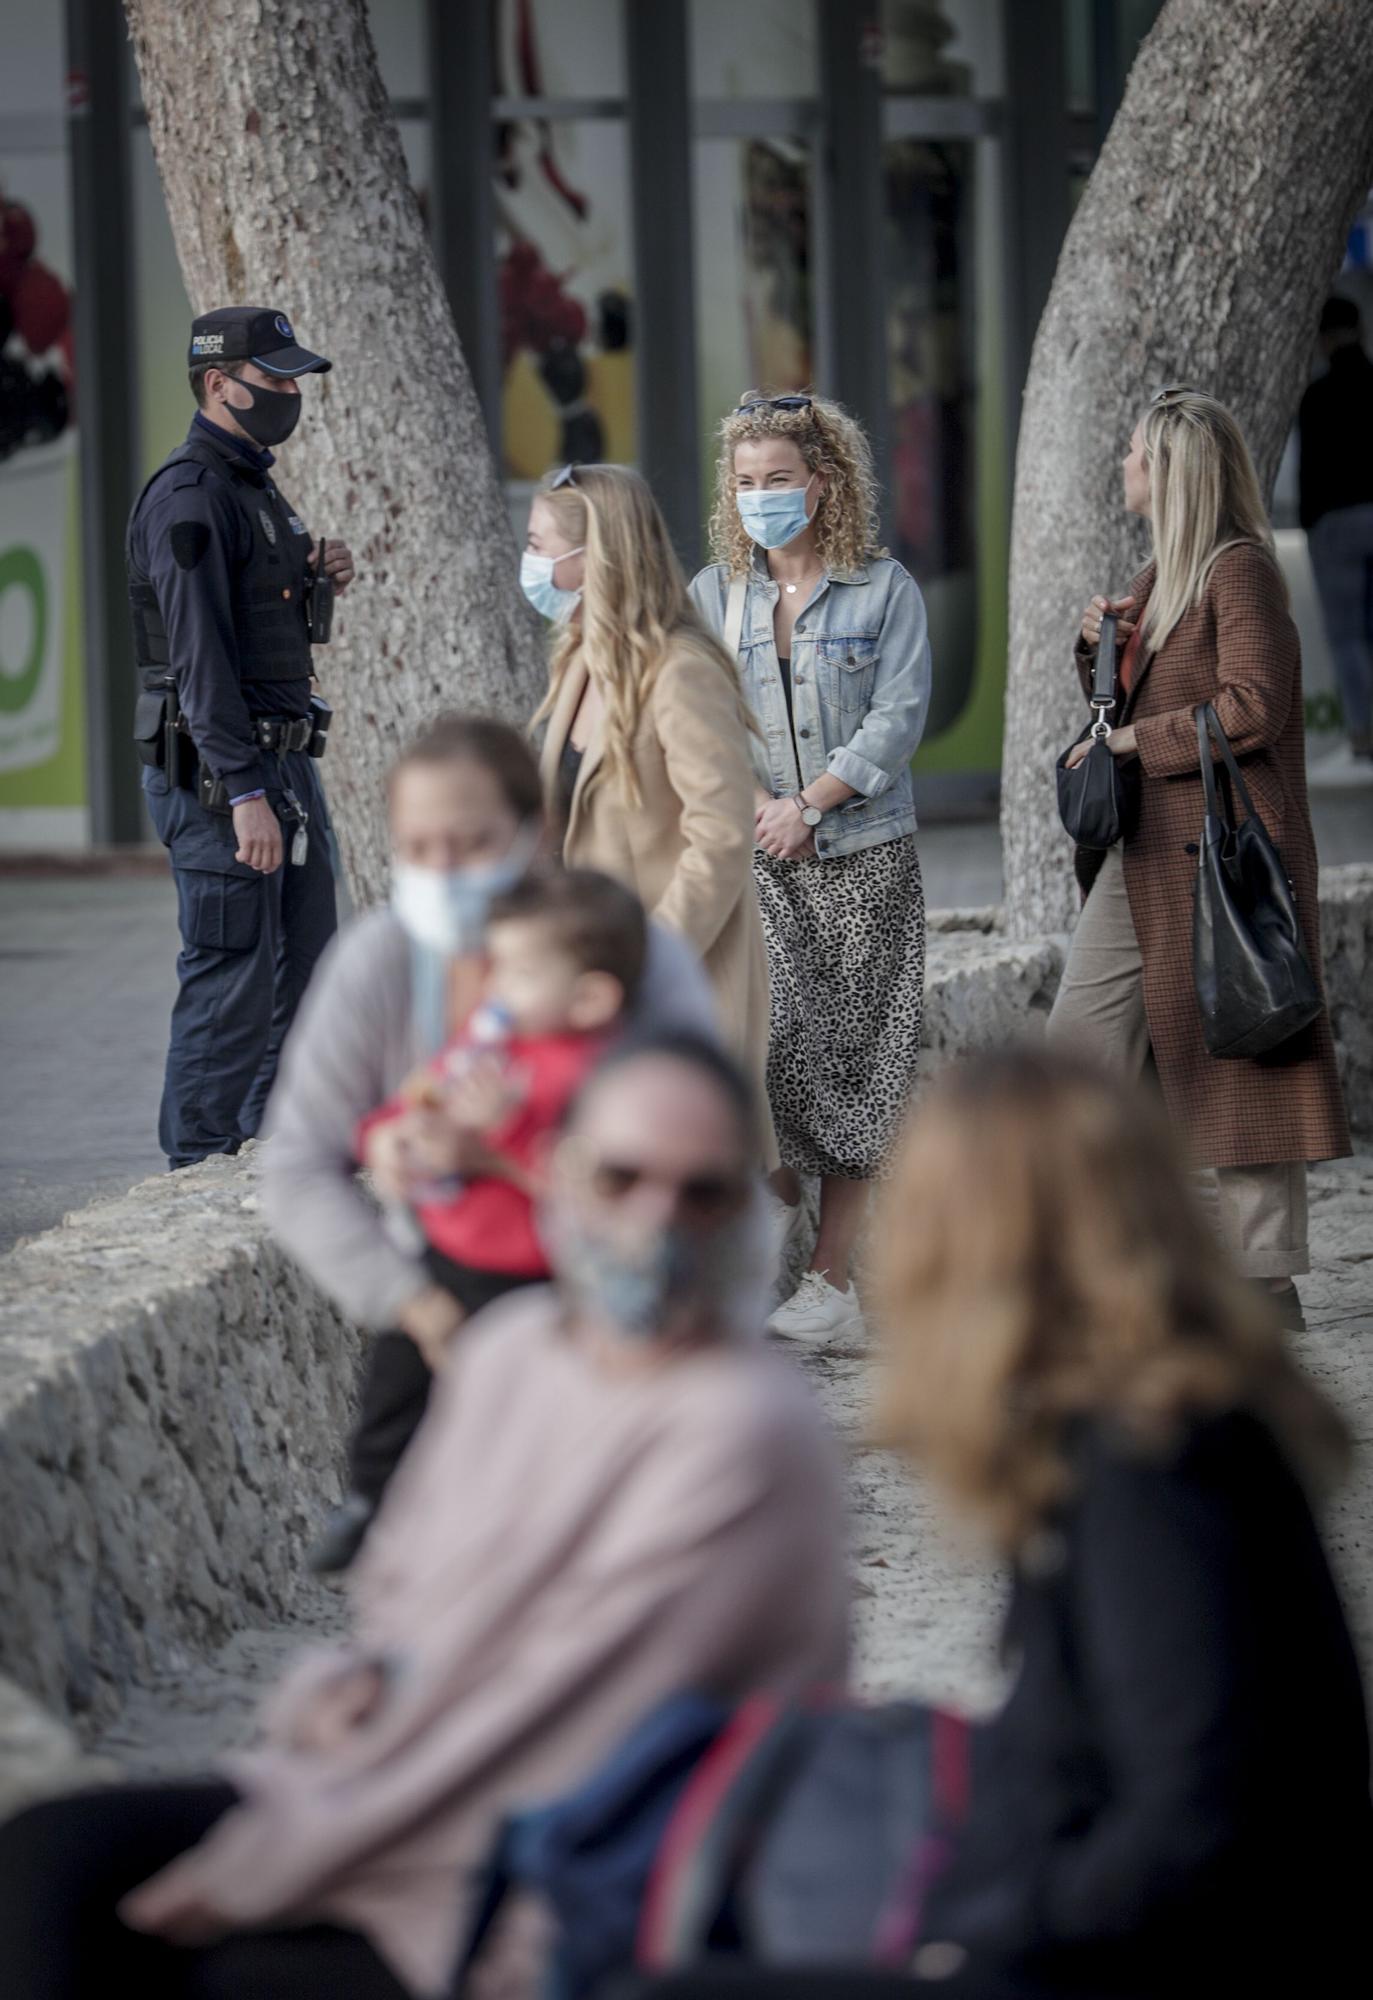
<point x="99" y="131"/>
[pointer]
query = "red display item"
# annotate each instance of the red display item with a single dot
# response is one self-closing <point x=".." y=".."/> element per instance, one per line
<point x="18" y="237"/>
<point x="42" y="309"/>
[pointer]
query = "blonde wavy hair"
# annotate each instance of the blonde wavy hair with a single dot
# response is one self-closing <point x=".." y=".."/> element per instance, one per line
<point x="635" y="609"/>
<point x="1204" y="498"/>
<point x="831" y="442"/>
<point x="1043" y="1262"/>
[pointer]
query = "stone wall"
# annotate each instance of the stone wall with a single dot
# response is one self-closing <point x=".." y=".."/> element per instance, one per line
<point x="173" y="1396"/>
<point x="1347" y="947"/>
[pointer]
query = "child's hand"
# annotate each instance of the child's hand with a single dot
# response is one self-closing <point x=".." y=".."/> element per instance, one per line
<point x="431" y="1318"/>
<point x="483" y="1097"/>
<point x="405" y="1152"/>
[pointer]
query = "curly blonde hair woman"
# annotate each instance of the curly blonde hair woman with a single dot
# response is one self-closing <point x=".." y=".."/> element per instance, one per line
<point x="1206" y="620"/>
<point x="1071" y="1357"/>
<point x="645" y="761"/>
<point x="830" y="635"/>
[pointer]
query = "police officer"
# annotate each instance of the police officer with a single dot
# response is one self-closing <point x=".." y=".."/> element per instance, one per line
<point x="228" y="592"/>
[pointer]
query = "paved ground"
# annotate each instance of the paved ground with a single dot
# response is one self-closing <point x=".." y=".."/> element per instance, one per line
<point x="88" y="981"/>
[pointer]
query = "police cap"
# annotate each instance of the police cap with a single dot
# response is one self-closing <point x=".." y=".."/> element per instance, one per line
<point x="256" y="334"/>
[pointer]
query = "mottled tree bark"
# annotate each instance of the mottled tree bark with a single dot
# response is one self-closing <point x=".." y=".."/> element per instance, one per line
<point x="1203" y="246"/>
<point x="286" y="186"/>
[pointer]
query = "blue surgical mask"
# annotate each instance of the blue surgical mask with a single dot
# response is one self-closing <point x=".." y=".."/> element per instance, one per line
<point x="772" y="519"/>
<point x="445" y="909"/>
<point x="536" y="581"/>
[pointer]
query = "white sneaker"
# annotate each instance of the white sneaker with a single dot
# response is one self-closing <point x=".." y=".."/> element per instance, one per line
<point x="817" y="1313"/>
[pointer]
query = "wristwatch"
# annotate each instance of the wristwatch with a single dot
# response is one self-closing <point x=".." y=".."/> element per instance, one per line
<point x="810" y="815"/>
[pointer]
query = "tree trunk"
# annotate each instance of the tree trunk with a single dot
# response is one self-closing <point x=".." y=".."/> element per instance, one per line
<point x="1203" y="246"/>
<point x="286" y="186"/>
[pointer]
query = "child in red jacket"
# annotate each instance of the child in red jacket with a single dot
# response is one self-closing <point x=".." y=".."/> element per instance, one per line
<point x="565" y="955"/>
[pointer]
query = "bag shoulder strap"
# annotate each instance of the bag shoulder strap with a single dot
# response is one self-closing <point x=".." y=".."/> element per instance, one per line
<point x="1209" y="727"/>
<point x="734" y="615"/>
<point x="1104" y="675"/>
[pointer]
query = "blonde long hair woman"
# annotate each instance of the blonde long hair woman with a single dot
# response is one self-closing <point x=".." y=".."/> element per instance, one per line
<point x="830" y="635"/>
<point x="645" y="760"/>
<point x="1205" y="620"/>
<point x="1175" y="1797"/>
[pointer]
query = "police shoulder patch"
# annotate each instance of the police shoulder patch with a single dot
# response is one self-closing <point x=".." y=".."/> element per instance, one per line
<point x="190" y="540"/>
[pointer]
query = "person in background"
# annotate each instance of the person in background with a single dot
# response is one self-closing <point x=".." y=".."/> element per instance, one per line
<point x="466" y="818"/>
<point x="830" y="634"/>
<point x="226" y="591"/>
<point x="1335" y="486"/>
<point x="645" y="758"/>
<point x="618" y="1494"/>
<point x="1206" y="620"/>
<point x="1175" y="1798"/>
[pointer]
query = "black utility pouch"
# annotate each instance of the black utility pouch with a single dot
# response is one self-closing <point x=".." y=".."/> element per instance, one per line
<point x="319" y="601"/>
<point x="212" y="793"/>
<point x="321" y="716"/>
<point x="150" y="728"/>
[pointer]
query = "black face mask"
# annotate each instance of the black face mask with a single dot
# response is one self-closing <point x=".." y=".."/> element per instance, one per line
<point x="272" y="415"/>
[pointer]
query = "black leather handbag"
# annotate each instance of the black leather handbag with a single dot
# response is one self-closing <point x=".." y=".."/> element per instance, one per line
<point x="1098" y="802"/>
<point x="1255" y="986"/>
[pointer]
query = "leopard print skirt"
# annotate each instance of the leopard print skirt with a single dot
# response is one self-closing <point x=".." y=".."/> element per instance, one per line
<point x="846" y="950"/>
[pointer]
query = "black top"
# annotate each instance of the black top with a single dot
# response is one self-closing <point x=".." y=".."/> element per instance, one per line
<point x="1175" y="1798"/>
<point x="1336" y="436"/>
<point x="569" y="769"/>
<point x="784" y="663"/>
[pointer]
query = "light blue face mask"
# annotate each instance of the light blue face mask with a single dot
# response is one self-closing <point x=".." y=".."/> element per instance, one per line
<point x="773" y="519"/>
<point x="445" y="909"/>
<point x="536" y="581"/>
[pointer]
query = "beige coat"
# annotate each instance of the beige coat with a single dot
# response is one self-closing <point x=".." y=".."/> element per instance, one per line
<point x="687" y="849"/>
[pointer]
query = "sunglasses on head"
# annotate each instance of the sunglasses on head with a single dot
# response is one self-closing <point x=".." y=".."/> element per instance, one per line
<point x="774" y="403"/>
<point x="1172" y="389"/>
<point x="567" y="477"/>
<point x="704" y="1197"/>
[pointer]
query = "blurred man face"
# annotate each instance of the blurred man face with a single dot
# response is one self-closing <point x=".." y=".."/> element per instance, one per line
<point x="650" y="1201"/>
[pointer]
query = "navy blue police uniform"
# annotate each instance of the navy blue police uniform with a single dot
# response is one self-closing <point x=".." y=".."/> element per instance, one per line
<point x="219" y="589"/>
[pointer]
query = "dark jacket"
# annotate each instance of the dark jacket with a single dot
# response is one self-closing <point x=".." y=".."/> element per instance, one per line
<point x="1175" y="1798"/>
<point x="200" y="534"/>
<point x="1335" y="434"/>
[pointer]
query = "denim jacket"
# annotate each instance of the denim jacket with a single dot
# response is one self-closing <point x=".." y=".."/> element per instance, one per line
<point x="860" y="672"/>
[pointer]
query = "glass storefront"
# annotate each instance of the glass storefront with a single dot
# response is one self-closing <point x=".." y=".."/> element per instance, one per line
<point x="766" y="288"/>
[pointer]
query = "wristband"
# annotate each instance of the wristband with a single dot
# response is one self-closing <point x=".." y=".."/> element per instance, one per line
<point x="244" y="797"/>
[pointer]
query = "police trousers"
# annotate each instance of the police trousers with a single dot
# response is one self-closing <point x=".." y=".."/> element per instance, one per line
<point x="1260" y="1213"/>
<point x="249" y="943"/>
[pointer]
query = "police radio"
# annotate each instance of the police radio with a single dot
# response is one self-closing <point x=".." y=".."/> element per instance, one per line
<point x="319" y="601"/>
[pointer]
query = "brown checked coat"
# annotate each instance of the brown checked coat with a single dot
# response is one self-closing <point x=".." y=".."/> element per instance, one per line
<point x="1238" y="649"/>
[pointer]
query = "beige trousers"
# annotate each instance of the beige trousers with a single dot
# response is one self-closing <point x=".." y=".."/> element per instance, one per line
<point x="1259" y="1212"/>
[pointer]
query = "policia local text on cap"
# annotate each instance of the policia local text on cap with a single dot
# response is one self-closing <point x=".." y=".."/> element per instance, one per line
<point x="228" y="594"/>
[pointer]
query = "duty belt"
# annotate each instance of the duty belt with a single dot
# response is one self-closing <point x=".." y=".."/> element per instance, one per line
<point x="283" y="732"/>
<point x="273" y="732"/>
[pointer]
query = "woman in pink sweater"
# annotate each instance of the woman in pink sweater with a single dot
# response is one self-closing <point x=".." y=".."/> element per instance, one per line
<point x="617" y="1494"/>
